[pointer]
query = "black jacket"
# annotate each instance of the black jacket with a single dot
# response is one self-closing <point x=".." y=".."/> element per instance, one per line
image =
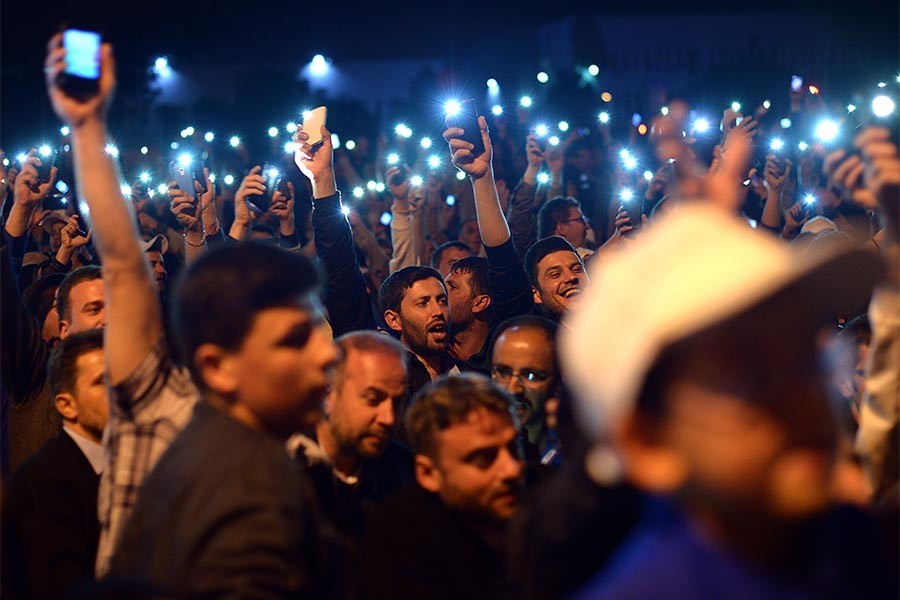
<point x="29" y="417"/>
<point x="346" y="298"/>
<point x="50" y="526"/>
<point x="415" y="548"/>
<point x="225" y="513"/>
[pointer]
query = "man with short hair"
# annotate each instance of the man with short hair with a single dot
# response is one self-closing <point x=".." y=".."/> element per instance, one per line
<point x="562" y="216"/>
<point x="351" y="458"/>
<point x="471" y="317"/>
<point x="440" y="537"/>
<point x="225" y="512"/>
<point x="413" y="301"/>
<point x="470" y="236"/>
<point x="448" y="253"/>
<point x="80" y="301"/>
<point x="154" y="249"/>
<point x="51" y="520"/>
<point x="523" y="362"/>
<point x="557" y="276"/>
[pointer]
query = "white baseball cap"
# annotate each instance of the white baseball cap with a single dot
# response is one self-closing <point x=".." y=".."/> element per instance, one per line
<point x="695" y="268"/>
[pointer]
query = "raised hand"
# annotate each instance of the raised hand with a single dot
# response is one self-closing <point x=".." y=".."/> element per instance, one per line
<point x="184" y="207"/>
<point x="78" y="111"/>
<point x="283" y="209"/>
<point x="70" y="240"/>
<point x="775" y="177"/>
<point x="475" y="167"/>
<point x="28" y="191"/>
<point x="316" y="163"/>
<point x="399" y="191"/>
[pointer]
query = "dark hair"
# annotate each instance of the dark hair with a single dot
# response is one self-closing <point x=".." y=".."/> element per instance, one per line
<point x="61" y="368"/>
<point x="476" y="268"/>
<point x="541" y="249"/>
<point x="439" y="251"/>
<point x="79" y="275"/>
<point x="390" y="296"/>
<point x="447" y="401"/>
<point x="552" y="212"/>
<point x="221" y="293"/>
<point x="365" y="341"/>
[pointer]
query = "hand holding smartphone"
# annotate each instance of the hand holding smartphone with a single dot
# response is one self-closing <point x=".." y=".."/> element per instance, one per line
<point x="467" y="120"/>
<point x="82" y="74"/>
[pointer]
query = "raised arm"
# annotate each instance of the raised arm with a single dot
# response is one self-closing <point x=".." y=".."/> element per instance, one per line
<point x="348" y="303"/>
<point x="134" y="323"/>
<point x="491" y="222"/>
<point x="510" y="290"/>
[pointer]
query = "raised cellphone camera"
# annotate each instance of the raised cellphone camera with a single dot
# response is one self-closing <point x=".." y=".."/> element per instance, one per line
<point x="82" y="75"/>
<point x="467" y="120"/>
<point x="274" y="180"/>
<point x="183" y="177"/>
<point x="313" y="123"/>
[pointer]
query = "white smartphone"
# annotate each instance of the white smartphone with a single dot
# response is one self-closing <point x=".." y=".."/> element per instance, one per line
<point x="312" y="124"/>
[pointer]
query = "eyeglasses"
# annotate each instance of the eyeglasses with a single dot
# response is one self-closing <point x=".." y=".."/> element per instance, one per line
<point x="502" y="374"/>
<point x="578" y="218"/>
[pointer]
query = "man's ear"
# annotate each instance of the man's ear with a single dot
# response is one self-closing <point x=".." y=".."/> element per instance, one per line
<point x="392" y="319"/>
<point x="481" y="303"/>
<point x="63" y="329"/>
<point x="66" y="406"/>
<point x="537" y="295"/>
<point x="650" y="463"/>
<point x="217" y="369"/>
<point x="427" y="474"/>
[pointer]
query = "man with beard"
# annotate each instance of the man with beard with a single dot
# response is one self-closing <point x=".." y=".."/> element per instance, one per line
<point x="351" y="459"/>
<point x="471" y="317"/>
<point x="440" y="537"/>
<point x="413" y="301"/>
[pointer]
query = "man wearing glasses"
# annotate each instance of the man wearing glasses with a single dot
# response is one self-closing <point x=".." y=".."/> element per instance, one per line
<point x="524" y="364"/>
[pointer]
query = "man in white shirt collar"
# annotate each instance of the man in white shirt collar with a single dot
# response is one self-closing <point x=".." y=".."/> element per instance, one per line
<point x="79" y="394"/>
<point x="51" y="527"/>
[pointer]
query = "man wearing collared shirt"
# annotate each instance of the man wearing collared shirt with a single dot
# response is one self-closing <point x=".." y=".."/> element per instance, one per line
<point x="51" y="525"/>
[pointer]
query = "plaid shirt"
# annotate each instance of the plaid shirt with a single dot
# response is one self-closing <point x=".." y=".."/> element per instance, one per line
<point x="147" y="411"/>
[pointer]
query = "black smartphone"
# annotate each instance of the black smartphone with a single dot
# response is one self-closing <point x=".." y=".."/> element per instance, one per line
<point x="81" y="77"/>
<point x="47" y="164"/>
<point x="272" y="176"/>
<point x="467" y="120"/>
<point x="183" y="177"/>
<point x="399" y="178"/>
<point x="635" y="210"/>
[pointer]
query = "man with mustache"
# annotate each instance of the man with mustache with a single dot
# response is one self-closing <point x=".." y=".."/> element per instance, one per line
<point x="414" y="303"/>
<point x="350" y="456"/>
<point x="440" y="537"/>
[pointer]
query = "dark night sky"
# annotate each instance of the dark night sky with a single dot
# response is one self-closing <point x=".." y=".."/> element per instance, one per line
<point x="210" y="32"/>
<point x="349" y="30"/>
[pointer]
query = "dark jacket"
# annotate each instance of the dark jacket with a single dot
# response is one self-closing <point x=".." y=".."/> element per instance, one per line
<point x="29" y="416"/>
<point x="346" y="298"/>
<point x="567" y="531"/>
<point x="50" y="527"/>
<point x="415" y="548"/>
<point x="349" y="506"/>
<point x="225" y="513"/>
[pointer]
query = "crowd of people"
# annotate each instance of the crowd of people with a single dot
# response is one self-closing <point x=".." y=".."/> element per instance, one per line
<point x="534" y="370"/>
